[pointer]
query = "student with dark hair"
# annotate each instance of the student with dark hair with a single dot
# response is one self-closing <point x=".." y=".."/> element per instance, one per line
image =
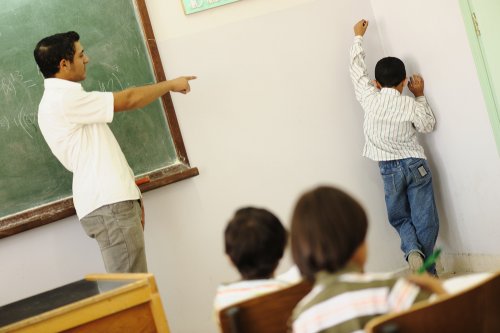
<point x="255" y="241"/>
<point x="391" y="123"/>
<point x="328" y="239"/>
<point x="75" y="125"/>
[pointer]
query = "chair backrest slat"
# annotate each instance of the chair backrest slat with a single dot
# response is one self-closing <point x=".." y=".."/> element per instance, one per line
<point x="269" y="313"/>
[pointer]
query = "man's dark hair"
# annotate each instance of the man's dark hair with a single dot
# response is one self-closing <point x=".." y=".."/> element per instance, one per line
<point x="328" y="226"/>
<point x="390" y="71"/>
<point x="255" y="241"/>
<point x="51" y="50"/>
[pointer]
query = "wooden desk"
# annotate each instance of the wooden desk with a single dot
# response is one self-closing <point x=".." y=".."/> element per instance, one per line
<point x="475" y="310"/>
<point x="102" y="303"/>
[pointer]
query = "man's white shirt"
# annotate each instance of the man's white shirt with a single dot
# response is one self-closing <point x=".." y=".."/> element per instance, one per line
<point x="74" y="125"/>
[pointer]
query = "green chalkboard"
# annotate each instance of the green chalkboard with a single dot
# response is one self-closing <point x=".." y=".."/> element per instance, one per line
<point x="35" y="188"/>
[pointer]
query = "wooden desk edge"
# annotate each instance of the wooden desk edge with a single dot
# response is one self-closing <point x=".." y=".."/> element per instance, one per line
<point x="139" y="288"/>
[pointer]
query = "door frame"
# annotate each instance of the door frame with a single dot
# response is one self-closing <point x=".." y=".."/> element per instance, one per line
<point x="485" y="79"/>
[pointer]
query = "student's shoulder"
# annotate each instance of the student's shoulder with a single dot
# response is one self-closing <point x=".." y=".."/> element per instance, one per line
<point x="251" y="284"/>
<point x="338" y="289"/>
<point x="233" y="285"/>
<point x="350" y="282"/>
<point x="367" y="279"/>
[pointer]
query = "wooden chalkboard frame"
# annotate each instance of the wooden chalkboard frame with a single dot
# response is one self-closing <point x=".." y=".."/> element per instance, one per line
<point x="60" y="209"/>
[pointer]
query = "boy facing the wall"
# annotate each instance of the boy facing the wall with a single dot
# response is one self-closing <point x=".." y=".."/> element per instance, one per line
<point x="391" y="123"/>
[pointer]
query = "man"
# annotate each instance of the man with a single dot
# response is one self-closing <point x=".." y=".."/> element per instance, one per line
<point x="74" y="124"/>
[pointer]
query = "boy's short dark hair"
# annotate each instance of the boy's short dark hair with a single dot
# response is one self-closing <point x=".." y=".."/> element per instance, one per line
<point x="328" y="226"/>
<point x="255" y="241"/>
<point x="51" y="50"/>
<point x="390" y="72"/>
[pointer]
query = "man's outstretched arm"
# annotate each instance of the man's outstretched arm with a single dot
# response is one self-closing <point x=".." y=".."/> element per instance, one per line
<point x="138" y="97"/>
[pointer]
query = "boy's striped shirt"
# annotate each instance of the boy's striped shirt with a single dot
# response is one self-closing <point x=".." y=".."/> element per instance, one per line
<point x="391" y="121"/>
<point x="243" y="290"/>
<point x="346" y="301"/>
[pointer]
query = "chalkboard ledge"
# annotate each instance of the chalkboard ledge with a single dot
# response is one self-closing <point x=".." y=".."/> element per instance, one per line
<point x="57" y="210"/>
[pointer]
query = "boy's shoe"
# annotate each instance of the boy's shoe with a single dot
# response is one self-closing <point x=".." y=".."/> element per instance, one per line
<point x="415" y="261"/>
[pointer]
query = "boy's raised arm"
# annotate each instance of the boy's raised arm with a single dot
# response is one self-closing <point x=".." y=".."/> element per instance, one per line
<point x="363" y="86"/>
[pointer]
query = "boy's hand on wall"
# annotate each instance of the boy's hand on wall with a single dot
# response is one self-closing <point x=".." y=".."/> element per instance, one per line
<point x="360" y="28"/>
<point x="416" y="85"/>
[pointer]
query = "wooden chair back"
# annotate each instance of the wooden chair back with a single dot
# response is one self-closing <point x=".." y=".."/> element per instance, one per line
<point x="476" y="309"/>
<point x="269" y="313"/>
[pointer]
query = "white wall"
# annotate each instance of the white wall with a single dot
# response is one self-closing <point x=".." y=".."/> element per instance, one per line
<point x="272" y="114"/>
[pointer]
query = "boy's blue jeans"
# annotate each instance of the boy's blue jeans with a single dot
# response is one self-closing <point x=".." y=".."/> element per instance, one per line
<point x="410" y="204"/>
